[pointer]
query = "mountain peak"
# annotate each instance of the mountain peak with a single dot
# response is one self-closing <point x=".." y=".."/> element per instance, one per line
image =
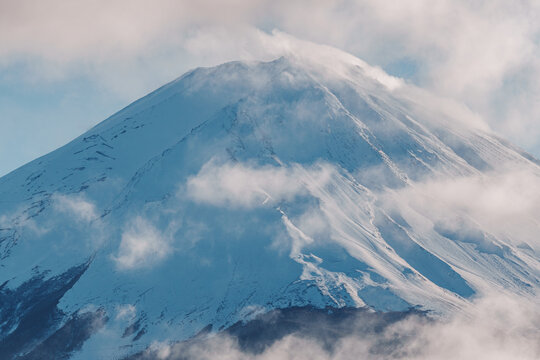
<point x="247" y="187"/>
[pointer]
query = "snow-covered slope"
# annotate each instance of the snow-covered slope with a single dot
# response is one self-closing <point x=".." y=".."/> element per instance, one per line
<point x="245" y="187"/>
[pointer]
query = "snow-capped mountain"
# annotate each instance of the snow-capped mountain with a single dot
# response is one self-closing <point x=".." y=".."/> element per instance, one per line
<point x="247" y="187"/>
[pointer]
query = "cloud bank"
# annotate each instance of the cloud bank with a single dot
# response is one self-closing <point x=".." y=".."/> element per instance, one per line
<point x="495" y="327"/>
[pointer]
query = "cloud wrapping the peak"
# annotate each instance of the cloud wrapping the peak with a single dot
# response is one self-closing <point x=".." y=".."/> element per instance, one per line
<point x="484" y="54"/>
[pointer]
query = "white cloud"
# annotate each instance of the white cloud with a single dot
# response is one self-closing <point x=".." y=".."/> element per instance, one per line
<point x="246" y="186"/>
<point x="494" y="327"/>
<point x="162" y="350"/>
<point x="76" y="206"/>
<point x="64" y="31"/>
<point x="142" y="245"/>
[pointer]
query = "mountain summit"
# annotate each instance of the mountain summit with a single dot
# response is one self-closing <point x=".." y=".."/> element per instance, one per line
<point x="248" y="187"/>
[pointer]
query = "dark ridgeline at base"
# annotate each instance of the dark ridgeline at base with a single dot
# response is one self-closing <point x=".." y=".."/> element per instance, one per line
<point x="326" y="327"/>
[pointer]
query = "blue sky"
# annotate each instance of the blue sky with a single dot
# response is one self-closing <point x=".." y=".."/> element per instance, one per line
<point x="65" y="66"/>
<point x="37" y="118"/>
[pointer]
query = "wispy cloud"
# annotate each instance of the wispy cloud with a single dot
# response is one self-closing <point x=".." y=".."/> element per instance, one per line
<point x="126" y="312"/>
<point x="77" y="209"/>
<point x="505" y="202"/>
<point x="142" y="245"/>
<point x="75" y="205"/>
<point x="244" y="185"/>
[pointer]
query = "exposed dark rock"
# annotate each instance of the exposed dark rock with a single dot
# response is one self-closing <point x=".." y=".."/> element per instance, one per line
<point x="29" y="314"/>
<point x="69" y="338"/>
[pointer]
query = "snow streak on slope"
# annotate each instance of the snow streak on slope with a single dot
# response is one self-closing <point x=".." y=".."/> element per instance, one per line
<point x="251" y="186"/>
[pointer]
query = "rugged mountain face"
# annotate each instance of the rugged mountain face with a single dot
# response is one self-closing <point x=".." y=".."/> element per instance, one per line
<point x="248" y="187"/>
